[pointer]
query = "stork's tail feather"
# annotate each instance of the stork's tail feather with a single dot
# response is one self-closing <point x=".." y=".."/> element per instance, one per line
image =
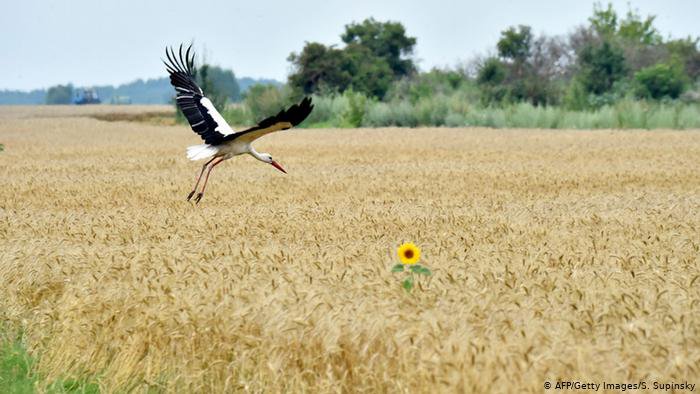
<point x="199" y="152"/>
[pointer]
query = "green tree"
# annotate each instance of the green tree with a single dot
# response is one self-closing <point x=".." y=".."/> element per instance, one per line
<point x="375" y="55"/>
<point x="490" y="77"/>
<point x="514" y="47"/>
<point x="635" y="35"/>
<point x="526" y="69"/>
<point x="514" y="44"/>
<point x="371" y="75"/>
<point x="204" y="75"/>
<point x="386" y="40"/>
<point x="492" y="72"/>
<point x="601" y="66"/>
<point x="60" y="94"/>
<point x="660" y="81"/>
<point x="319" y="68"/>
<point x="604" y="21"/>
<point x="225" y="82"/>
<point x="685" y="51"/>
<point x="637" y="30"/>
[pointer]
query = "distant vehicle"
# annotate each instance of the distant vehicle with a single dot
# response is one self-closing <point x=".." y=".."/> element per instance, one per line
<point x="86" y="96"/>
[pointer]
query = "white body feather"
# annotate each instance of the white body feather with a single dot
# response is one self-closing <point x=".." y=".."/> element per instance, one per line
<point x="227" y="150"/>
<point x="203" y="151"/>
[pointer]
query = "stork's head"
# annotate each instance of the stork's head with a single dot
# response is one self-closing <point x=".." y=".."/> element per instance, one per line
<point x="267" y="158"/>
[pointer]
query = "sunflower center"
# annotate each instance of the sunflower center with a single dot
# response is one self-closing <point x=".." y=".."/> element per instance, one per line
<point x="408" y="254"/>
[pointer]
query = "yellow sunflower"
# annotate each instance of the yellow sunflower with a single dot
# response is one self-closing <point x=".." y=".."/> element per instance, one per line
<point x="409" y="253"/>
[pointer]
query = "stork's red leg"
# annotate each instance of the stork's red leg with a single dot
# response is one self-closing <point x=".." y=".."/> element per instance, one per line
<point x="206" y="179"/>
<point x="194" y="189"/>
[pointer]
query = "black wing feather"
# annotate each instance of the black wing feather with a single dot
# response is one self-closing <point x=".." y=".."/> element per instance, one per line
<point x="189" y="96"/>
<point x="285" y="119"/>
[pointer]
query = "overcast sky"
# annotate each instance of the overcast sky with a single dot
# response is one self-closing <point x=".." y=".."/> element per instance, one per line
<point x="91" y="42"/>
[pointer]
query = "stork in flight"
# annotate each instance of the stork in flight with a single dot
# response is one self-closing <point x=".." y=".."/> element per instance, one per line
<point x="221" y="142"/>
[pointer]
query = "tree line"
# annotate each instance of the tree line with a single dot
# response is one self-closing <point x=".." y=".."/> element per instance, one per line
<point x="614" y="71"/>
<point x="609" y="64"/>
<point x="610" y="58"/>
<point x="154" y="91"/>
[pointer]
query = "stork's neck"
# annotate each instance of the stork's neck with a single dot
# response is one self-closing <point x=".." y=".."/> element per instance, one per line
<point x="255" y="154"/>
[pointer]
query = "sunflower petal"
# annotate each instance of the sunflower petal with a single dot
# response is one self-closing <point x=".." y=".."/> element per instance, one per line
<point x="408" y="253"/>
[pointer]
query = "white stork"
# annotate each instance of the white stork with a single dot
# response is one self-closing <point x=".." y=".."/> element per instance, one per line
<point x="221" y="142"/>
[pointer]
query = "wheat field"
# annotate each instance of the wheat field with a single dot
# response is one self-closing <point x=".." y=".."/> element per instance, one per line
<point x="556" y="255"/>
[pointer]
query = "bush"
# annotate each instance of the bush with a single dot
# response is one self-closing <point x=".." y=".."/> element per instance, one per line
<point x="664" y="116"/>
<point x="692" y="94"/>
<point x="459" y="109"/>
<point x="576" y="97"/>
<point x="357" y="106"/>
<point x="431" y="112"/>
<point x="631" y="115"/>
<point x="432" y="83"/>
<point x="688" y="117"/>
<point x="455" y="120"/>
<point x="403" y="114"/>
<point x="659" y="81"/>
<point x="328" y="111"/>
<point x="378" y="115"/>
<point x="237" y="115"/>
<point x="265" y="100"/>
<point x="400" y="113"/>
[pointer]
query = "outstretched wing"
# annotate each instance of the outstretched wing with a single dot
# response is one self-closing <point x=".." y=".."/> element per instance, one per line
<point x="285" y="119"/>
<point x="204" y="119"/>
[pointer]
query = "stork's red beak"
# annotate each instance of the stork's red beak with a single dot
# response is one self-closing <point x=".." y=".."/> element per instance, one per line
<point x="278" y="166"/>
